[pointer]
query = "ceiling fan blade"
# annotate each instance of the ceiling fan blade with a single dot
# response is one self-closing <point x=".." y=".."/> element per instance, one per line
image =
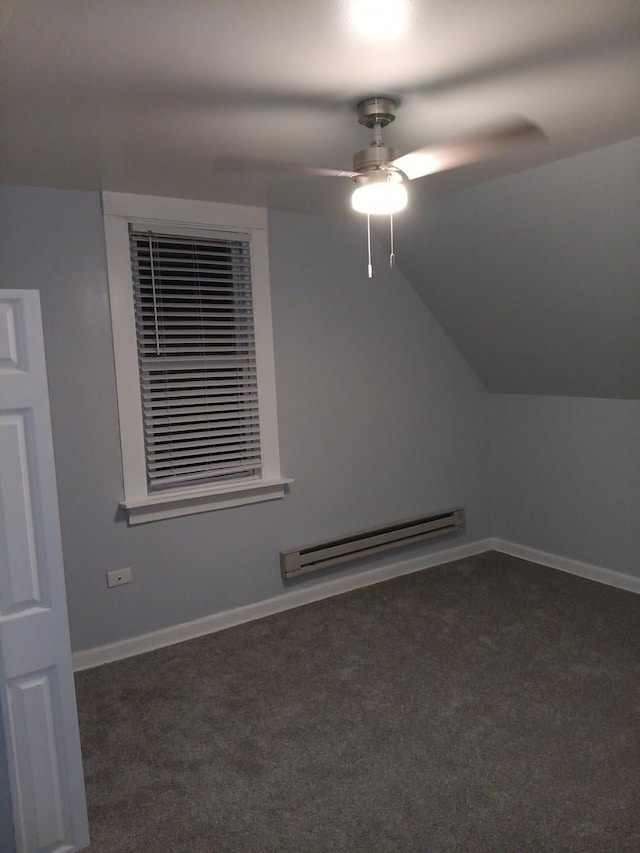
<point x="471" y="149"/>
<point x="251" y="166"/>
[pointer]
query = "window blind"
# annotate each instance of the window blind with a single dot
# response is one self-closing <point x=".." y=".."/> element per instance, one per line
<point x="196" y="357"/>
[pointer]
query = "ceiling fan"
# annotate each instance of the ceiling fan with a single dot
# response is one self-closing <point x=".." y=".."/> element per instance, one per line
<point x="380" y="173"/>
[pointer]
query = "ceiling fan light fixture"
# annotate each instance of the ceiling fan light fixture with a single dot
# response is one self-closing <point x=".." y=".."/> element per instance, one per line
<point x="379" y="194"/>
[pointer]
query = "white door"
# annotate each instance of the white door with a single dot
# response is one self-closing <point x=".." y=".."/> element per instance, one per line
<point x="36" y="678"/>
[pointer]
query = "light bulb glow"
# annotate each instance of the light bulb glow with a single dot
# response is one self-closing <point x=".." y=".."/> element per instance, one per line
<point x="380" y="197"/>
<point x="379" y="20"/>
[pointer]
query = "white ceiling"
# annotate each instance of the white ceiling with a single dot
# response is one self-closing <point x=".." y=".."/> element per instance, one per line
<point x="146" y="95"/>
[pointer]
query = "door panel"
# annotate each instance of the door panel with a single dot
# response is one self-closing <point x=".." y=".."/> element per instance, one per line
<point x="36" y="678"/>
<point x="19" y="585"/>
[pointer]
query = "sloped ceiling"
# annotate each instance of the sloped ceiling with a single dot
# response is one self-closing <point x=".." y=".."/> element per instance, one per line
<point x="536" y="276"/>
<point x="147" y="96"/>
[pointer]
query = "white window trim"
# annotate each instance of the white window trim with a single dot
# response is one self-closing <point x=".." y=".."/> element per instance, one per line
<point x="119" y="210"/>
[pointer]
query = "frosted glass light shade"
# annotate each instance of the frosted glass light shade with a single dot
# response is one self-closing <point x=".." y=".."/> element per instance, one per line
<point x="380" y="197"/>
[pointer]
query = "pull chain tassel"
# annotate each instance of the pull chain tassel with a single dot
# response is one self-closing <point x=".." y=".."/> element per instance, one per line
<point x="369" y="265"/>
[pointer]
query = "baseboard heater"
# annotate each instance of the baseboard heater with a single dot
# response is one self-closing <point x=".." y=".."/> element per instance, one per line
<point x="311" y="558"/>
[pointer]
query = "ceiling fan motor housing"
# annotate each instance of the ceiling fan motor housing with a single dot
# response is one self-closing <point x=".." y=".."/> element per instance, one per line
<point x="374" y="157"/>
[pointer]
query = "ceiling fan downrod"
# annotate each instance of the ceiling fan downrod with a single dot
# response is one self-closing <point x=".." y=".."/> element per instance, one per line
<point x="375" y="113"/>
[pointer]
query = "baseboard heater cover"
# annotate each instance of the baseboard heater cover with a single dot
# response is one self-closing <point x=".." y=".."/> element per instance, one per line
<point x="311" y="558"/>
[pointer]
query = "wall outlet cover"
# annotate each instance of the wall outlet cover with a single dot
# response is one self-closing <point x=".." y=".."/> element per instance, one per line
<point x="119" y="577"/>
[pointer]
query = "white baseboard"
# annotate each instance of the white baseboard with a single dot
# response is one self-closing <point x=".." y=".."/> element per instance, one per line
<point x="630" y="583"/>
<point x="89" y="658"/>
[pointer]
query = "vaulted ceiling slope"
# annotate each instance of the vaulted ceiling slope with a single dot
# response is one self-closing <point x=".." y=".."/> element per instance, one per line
<point x="536" y="276"/>
<point x="533" y="274"/>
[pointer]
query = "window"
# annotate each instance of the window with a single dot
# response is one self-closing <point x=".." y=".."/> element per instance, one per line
<point x="191" y="319"/>
<point x="196" y="357"/>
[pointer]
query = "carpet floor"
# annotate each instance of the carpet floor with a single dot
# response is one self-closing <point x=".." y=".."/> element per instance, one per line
<point x="486" y="705"/>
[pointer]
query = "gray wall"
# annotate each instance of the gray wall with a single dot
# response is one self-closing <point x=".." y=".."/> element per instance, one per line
<point x="380" y="418"/>
<point x="566" y="477"/>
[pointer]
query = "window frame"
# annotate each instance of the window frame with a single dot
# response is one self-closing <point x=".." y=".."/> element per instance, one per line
<point x="119" y="211"/>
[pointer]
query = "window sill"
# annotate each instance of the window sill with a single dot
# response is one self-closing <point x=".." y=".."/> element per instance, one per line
<point x="157" y="507"/>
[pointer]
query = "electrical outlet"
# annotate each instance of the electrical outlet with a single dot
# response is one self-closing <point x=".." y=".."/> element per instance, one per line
<point x="118" y="577"/>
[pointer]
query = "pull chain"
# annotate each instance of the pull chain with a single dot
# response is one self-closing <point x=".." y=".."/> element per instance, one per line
<point x="369" y="265"/>
<point x="392" y="254"/>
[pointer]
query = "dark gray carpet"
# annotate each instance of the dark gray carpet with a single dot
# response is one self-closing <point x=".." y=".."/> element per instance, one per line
<point x="485" y="705"/>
